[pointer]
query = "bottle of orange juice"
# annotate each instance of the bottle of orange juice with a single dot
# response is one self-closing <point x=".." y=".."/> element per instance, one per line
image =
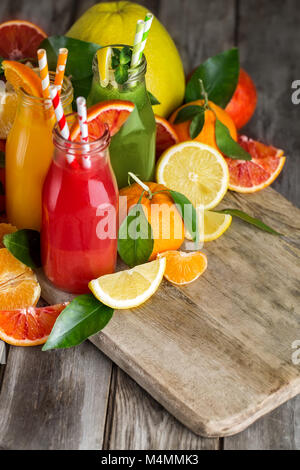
<point x="29" y="150"/>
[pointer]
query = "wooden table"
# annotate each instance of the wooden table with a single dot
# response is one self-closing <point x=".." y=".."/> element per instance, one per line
<point x="77" y="398"/>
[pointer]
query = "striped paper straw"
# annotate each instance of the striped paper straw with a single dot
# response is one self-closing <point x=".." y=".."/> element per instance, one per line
<point x="61" y="119"/>
<point x="43" y="66"/>
<point x="60" y="68"/>
<point x="147" y="26"/>
<point x="84" y="133"/>
<point x="136" y="55"/>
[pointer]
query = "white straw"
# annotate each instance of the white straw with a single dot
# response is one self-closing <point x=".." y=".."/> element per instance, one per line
<point x="84" y="133"/>
<point x="136" y="51"/>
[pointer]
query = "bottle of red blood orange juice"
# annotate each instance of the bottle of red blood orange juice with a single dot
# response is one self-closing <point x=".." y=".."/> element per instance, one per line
<point x="79" y="213"/>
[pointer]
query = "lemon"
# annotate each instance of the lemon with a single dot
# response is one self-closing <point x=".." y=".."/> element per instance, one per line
<point x="212" y="225"/>
<point x="115" y="23"/>
<point x="104" y="63"/>
<point x="8" y="108"/>
<point x="195" y="170"/>
<point x="131" y="288"/>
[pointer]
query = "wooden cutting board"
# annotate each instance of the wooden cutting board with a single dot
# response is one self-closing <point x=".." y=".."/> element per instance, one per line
<point x="217" y="354"/>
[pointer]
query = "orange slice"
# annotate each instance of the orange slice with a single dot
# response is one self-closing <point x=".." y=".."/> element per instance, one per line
<point x="165" y="136"/>
<point x="28" y="326"/>
<point x="258" y="173"/>
<point x="20" y="39"/>
<point x="5" y="229"/>
<point x="21" y="76"/>
<point x="183" y="268"/>
<point x="19" y="287"/>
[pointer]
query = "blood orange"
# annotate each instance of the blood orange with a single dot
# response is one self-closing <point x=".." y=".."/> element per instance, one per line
<point x="165" y="136"/>
<point x="28" y="326"/>
<point x="20" y="39"/>
<point x="114" y="113"/>
<point x="251" y="176"/>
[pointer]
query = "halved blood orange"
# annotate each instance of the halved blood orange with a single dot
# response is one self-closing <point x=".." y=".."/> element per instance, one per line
<point x="28" y="326"/>
<point x="114" y="113"/>
<point x="21" y="76"/>
<point x="183" y="267"/>
<point x="258" y="173"/>
<point x="20" y="39"/>
<point x="165" y="136"/>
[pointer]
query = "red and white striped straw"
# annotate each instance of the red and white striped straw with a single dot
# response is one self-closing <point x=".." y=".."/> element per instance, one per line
<point x="84" y="133"/>
<point x="60" y="117"/>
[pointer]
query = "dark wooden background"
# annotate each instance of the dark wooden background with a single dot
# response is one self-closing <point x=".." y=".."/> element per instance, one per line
<point x="78" y="399"/>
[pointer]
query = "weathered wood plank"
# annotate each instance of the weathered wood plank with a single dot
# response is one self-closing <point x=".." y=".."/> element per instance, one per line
<point x="55" y="17"/>
<point x="54" y="400"/>
<point x="139" y="422"/>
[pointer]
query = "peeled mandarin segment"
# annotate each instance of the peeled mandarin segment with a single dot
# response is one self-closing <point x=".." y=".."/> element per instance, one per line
<point x="4" y="230"/>
<point x="21" y="76"/>
<point x="131" y="288"/>
<point x="197" y="171"/>
<point x="183" y="268"/>
<point x="28" y="326"/>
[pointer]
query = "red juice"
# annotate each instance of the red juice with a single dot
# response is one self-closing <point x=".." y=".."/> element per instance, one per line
<point x="79" y="215"/>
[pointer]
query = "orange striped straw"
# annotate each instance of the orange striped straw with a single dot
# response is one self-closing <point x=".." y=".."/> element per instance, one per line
<point x="43" y="66"/>
<point x="60" y="68"/>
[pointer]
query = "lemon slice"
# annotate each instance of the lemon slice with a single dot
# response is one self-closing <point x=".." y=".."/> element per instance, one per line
<point x="131" y="288"/>
<point x="197" y="171"/>
<point x="104" y="63"/>
<point x="212" y="225"/>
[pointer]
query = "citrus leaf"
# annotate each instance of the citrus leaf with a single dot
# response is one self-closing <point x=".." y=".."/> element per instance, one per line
<point x="227" y="145"/>
<point x="25" y="246"/>
<point x="187" y="212"/>
<point x="83" y="317"/>
<point x="154" y="101"/>
<point x="2" y="159"/>
<point x="220" y="77"/>
<point x="196" y="125"/>
<point x="135" y="241"/>
<point x="188" y="112"/>
<point x="250" y="220"/>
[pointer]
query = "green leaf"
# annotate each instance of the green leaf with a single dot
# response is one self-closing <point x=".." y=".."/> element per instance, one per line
<point x="81" y="88"/>
<point x="25" y="246"/>
<point x="220" y="77"/>
<point x="227" y="145"/>
<point x="2" y="191"/>
<point x="2" y="159"/>
<point x="121" y="74"/>
<point x="135" y="241"/>
<point x="196" y="125"/>
<point x="125" y="55"/>
<point x="188" y="113"/>
<point x="154" y="101"/>
<point x="188" y="213"/>
<point x="83" y="317"/>
<point x="250" y="220"/>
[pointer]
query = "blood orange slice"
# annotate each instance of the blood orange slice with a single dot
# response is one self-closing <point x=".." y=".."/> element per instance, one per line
<point x="258" y="173"/>
<point x="20" y="39"/>
<point x="165" y="136"/>
<point x="28" y="326"/>
<point x="114" y="113"/>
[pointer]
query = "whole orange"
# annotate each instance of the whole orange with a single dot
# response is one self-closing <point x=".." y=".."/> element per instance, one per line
<point x="207" y="135"/>
<point x="243" y="103"/>
<point x="161" y="213"/>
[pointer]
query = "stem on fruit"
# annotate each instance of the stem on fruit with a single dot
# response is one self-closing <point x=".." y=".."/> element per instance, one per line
<point x="203" y="93"/>
<point x="143" y="185"/>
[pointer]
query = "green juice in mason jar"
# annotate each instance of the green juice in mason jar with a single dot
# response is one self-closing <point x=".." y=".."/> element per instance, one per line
<point x="135" y="151"/>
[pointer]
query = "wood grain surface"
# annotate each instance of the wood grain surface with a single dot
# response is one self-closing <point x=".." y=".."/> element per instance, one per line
<point x="200" y="29"/>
